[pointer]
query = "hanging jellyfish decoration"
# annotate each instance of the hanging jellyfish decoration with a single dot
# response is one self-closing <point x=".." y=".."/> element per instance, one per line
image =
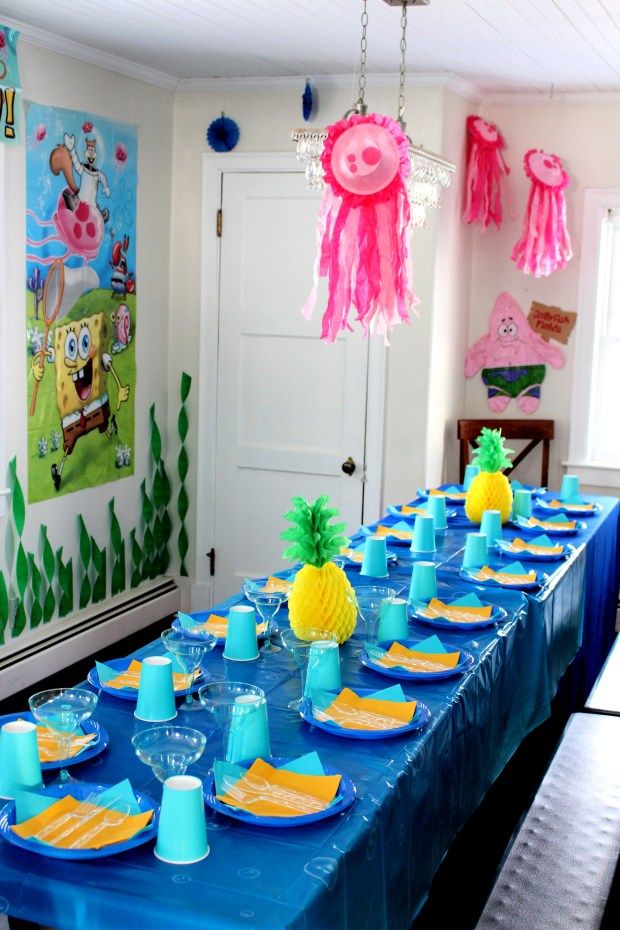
<point x="363" y="227"/>
<point x="544" y="246"/>
<point x="486" y="169"/>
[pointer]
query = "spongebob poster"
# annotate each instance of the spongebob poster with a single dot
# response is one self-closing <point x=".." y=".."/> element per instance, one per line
<point x="80" y="299"/>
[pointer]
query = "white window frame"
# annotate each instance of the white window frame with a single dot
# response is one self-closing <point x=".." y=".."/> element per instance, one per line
<point x="4" y="492"/>
<point x="597" y="203"/>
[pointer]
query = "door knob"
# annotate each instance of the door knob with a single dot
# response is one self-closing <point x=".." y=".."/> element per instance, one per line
<point x="348" y="466"/>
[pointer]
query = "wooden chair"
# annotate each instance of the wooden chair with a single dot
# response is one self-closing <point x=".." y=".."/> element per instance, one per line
<point x="536" y="431"/>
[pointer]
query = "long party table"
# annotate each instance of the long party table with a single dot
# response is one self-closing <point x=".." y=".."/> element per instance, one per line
<point x="370" y="866"/>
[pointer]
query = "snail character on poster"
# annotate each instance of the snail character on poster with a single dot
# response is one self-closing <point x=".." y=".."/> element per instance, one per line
<point x="512" y="358"/>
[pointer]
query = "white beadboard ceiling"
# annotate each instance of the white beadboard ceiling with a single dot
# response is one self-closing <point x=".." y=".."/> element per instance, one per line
<point x="497" y="45"/>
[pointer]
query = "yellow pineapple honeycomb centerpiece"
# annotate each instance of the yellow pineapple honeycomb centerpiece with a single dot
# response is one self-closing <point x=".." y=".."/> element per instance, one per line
<point x="322" y="597"/>
<point x="490" y="490"/>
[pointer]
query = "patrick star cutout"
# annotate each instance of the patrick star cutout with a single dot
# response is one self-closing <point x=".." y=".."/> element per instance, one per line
<point x="512" y="358"/>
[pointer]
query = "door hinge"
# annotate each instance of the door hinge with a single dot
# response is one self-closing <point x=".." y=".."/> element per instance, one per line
<point x="211" y="558"/>
<point x="218" y="224"/>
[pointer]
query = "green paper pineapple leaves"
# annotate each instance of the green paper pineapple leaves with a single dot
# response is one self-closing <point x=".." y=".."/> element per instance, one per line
<point x="314" y="539"/>
<point x="491" y="454"/>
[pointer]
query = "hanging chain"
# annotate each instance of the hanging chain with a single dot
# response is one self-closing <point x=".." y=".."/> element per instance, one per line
<point x="361" y="106"/>
<point x="401" y="81"/>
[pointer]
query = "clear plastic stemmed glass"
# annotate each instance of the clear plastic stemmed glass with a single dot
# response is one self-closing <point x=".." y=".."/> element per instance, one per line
<point x="267" y="606"/>
<point x="63" y="711"/>
<point x="169" y="750"/>
<point x="371" y="600"/>
<point x="228" y="702"/>
<point x="299" y="644"/>
<point x="189" y="652"/>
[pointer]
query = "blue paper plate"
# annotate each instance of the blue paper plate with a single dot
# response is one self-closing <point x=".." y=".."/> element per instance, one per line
<point x="396" y="512"/>
<point x="423" y="495"/>
<point x="93" y="749"/>
<point x="391" y="540"/>
<point x="465" y="662"/>
<point x="120" y="665"/>
<point x="79" y="790"/>
<point x="523" y="556"/>
<point x="545" y="507"/>
<point x="344" y="799"/>
<point x="201" y="617"/>
<point x="258" y="583"/>
<point x="498" y="615"/>
<point x="420" y="719"/>
<point x="392" y="558"/>
<point x="580" y="526"/>
<point x="467" y="574"/>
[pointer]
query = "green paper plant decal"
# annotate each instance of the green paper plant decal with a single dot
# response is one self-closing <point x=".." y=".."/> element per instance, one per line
<point x="100" y="567"/>
<point x="4" y="607"/>
<point x="36" y="609"/>
<point x="136" y="560"/>
<point x="49" y="568"/>
<point x="18" y="511"/>
<point x="148" y="544"/>
<point x="64" y="573"/>
<point x="86" y="589"/>
<point x="117" y="549"/>
<point x="183" y="466"/>
<point x="162" y="494"/>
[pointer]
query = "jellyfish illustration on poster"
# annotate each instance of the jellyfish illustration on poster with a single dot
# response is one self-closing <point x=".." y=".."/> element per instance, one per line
<point x="81" y="299"/>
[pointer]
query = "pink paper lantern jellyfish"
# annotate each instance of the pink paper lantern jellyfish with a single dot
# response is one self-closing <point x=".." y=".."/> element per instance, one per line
<point x="485" y="171"/>
<point x="363" y="227"/>
<point x="120" y="155"/>
<point x="80" y="229"/>
<point x="544" y="246"/>
<point x="87" y="126"/>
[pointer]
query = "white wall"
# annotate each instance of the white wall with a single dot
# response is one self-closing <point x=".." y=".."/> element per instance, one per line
<point x="56" y="80"/>
<point x="584" y="138"/>
<point x="265" y="118"/>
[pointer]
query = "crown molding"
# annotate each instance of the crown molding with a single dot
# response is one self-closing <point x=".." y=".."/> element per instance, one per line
<point x="93" y="56"/>
<point x="545" y="99"/>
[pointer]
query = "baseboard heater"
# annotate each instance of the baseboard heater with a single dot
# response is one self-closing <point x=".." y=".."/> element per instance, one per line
<point x="49" y="649"/>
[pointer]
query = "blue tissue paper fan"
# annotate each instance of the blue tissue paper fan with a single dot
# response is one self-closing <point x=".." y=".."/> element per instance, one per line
<point x="307" y="102"/>
<point x="223" y="134"/>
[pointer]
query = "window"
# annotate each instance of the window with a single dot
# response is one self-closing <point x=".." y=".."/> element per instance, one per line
<point x="595" y="423"/>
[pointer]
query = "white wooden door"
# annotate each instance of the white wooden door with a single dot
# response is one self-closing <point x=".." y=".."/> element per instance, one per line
<point x="290" y="408"/>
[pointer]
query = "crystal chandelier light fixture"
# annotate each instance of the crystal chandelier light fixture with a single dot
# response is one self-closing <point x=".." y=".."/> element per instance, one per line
<point x="430" y="173"/>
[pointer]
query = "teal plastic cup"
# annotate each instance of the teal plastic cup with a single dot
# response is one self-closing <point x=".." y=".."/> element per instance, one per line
<point x="570" y="487"/>
<point x="248" y="736"/>
<point x="491" y="526"/>
<point x="470" y="473"/>
<point x="182" y="831"/>
<point x="20" y="768"/>
<point x="475" y="555"/>
<point x="423" y="537"/>
<point x="156" y="691"/>
<point x="436" y="508"/>
<point x="423" y="581"/>
<point x="374" y="563"/>
<point x="323" y="667"/>
<point x="393" y="619"/>
<point x="241" y="638"/>
<point x="521" y="503"/>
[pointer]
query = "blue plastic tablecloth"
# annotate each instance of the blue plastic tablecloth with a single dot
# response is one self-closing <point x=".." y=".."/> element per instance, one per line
<point x="369" y="867"/>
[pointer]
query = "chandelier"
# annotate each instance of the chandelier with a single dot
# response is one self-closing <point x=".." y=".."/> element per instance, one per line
<point x="430" y="173"/>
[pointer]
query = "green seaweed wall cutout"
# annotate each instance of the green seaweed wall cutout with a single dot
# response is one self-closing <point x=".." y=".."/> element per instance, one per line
<point x="18" y="510"/>
<point x="86" y="588"/>
<point x="117" y="550"/>
<point x="183" y="466"/>
<point x="49" y="569"/>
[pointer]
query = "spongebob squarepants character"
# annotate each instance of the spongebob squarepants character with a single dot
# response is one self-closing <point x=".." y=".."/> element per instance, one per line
<point x="82" y="362"/>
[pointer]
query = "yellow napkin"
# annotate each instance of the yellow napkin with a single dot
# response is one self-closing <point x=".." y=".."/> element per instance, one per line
<point x="114" y="830"/>
<point x="486" y="573"/>
<point x="270" y="792"/>
<point x="547" y="525"/>
<point x="521" y="545"/>
<point x="568" y="506"/>
<point x="131" y="678"/>
<point x="276" y="584"/>
<point x="451" y="495"/>
<point x="353" y="712"/>
<point x="352" y="554"/>
<point x="437" y="608"/>
<point x="48" y="745"/>
<point x="406" y="510"/>
<point x="414" y="661"/>
<point x="218" y="626"/>
<point x="390" y="531"/>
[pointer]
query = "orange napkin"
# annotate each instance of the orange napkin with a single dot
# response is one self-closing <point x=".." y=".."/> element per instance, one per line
<point x="218" y="626"/>
<point x="566" y="505"/>
<point x="451" y="495"/>
<point x="48" y="745"/>
<point x="414" y="661"/>
<point x="118" y="827"/>
<point x="390" y="531"/>
<point x="437" y="608"/>
<point x="549" y="525"/>
<point x="354" y="554"/>
<point x="131" y="678"/>
<point x="270" y="792"/>
<point x="486" y="573"/>
<point x="406" y="510"/>
<point x="353" y="712"/>
<point x="277" y="584"/>
<point x="521" y="545"/>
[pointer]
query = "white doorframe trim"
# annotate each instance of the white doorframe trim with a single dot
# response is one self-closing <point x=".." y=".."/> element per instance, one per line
<point x="213" y="168"/>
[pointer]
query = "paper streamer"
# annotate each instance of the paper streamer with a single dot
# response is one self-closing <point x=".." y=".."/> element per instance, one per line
<point x="117" y="548"/>
<point x="36" y="610"/>
<point x="183" y="466"/>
